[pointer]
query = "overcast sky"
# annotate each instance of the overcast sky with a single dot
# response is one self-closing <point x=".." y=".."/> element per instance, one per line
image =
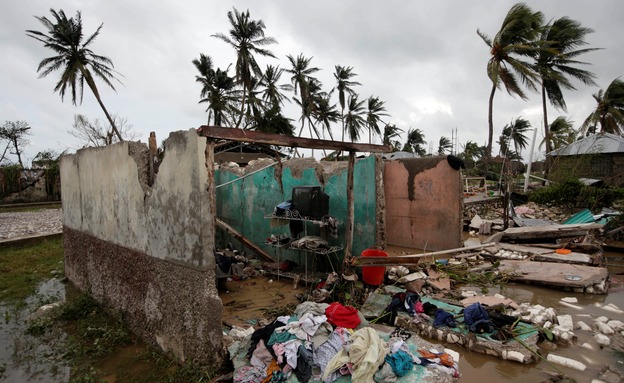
<point x="423" y="58"/>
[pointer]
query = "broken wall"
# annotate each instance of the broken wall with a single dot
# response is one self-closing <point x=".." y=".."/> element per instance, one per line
<point x="245" y="203"/>
<point x="146" y="252"/>
<point x="423" y="203"/>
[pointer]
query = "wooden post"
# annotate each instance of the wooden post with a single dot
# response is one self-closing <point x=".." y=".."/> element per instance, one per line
<point x="153" y="152"/>
<point x="350" y="211"/>
<point x="212" y="190"/>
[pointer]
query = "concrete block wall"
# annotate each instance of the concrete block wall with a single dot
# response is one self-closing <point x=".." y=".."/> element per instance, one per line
<point x="146" y="252"/>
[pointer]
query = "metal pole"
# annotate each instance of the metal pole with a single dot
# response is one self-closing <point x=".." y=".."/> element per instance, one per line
<point x="528" y="172"/>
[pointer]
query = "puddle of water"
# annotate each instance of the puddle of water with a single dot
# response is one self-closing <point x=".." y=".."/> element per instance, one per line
<point x="25" y="358"/>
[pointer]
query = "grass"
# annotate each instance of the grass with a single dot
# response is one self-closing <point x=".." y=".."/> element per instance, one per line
<point x="95" y="343"/>
<point x="23" y="267"/>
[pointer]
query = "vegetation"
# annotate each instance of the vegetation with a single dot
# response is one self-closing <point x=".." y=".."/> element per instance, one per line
<point x="74" y="57"/>
<point x="511" y="44"/>
<point x="574" y="194"/>
<point x="22" y="268"/>
<point x="14" y="134"/>
<point x="609" y="112"/>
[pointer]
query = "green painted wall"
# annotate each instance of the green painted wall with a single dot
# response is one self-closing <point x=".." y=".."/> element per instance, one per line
<point x="244" y="205"/>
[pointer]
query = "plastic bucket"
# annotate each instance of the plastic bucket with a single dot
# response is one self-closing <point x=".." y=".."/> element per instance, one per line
<point x="373" y="275"/>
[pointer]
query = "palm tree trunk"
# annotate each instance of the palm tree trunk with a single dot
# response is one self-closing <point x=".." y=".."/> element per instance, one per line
<point x="240" y="118"/>
<point x="546" y="130"/>
<point x="87" y="75"/>
<point x="488" y="151"/>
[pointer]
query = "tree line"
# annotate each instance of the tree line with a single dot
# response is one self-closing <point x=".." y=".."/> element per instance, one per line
<point x="526" y="54"/>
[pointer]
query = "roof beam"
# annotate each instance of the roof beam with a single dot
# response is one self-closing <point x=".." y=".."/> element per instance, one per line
<point x="243" y="135"/>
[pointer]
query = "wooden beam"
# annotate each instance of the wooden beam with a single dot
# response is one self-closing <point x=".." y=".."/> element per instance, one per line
<point x="243" y="135"/>
<point x="242" y="239"/>
<point x="350" y="210"/>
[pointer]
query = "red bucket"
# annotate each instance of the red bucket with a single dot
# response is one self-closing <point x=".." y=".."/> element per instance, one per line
<point x="373" y="275"/>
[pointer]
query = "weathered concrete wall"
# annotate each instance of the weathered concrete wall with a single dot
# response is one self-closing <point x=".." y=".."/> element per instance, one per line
<point x="423" y="203"/>
<point x="244" y="204"/>
<point x="146" y="252"/>
<point x="606" y="167"/>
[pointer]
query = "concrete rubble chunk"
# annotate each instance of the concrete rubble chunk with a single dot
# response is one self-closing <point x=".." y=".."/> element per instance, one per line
<point x="583" y="326"/>
<point x="604" y="328"/>
<point x="587" y="346"/>
<point x="567" y="362"/>
<point x="566" y="322"/>
<point x="616" y="325"/>
<point x="412" y="277"/>
<point x="569" y="300"/>
<point x="601" y="319"/>
<point x="602" y="340"/>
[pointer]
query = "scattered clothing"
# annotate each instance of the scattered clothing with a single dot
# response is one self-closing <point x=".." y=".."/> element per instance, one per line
<point x="401" y="362"/>
<point x="249" y="374"/>
<point x="405" y="301"/>
<point x="444" y="318"/>
<point x="477" y="319"/>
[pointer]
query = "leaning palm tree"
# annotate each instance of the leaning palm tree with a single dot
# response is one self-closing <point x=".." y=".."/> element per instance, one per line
<point x="390" y="135"/>
<point x="247" y="37"/>
<point x="73" y="55"/>
<point x="375" y="110"/>
<point x="344" y="86"/>
<point x="302" y="72"/>
<point x="609" y="112"/>
<point x="444" y="145"/>
<point x="354" y="119"/>
<point x="557" y="62"/>
<point x="415" y="142"/>
<point x="325" y="112"/>
<point x="516" y="132"/>
<point x="561" y="133"/>
<point x="513" y="41"/>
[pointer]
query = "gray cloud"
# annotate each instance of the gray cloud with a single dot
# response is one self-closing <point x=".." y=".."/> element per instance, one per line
<point x="423" y="58"/>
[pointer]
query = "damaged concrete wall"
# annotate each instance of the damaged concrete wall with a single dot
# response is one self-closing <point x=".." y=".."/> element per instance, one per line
<point x="244" y="204"/>
<point x="423" y="203"/>
<point x="146" y="252"/>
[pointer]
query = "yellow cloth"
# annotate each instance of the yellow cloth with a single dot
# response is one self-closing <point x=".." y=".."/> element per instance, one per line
<point x="366" y="353"/>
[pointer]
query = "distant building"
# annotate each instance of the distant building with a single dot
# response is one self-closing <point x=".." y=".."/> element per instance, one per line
<point x="599" y="156"/>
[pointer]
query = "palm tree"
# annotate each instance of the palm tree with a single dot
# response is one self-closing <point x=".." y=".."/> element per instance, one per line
<point x="325" y="113"/>
<point x="472" y="151"/>
<point x="218" y="90"/>
<point x="344" y="85"/>
<point x="354" y="120"/>
<point x="391" y="132"/>
<point x="556" y="62"/>
<point x="415" y="142"/>
<point x="561" y="133"/>
<point x="301" y="78"/>
<point x="444" y="145"/>
<point x="78" y="62"/>
<point x="515" y="132"/>
<point x="375" y="110"/>
<point x="514" y="40"/>
<point x="609" y="112"/>
<point x="272" y="93"/>
<point x="247" y="38"/>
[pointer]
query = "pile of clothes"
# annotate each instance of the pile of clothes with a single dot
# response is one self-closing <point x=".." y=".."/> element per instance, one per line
<point x="322" y="342"/>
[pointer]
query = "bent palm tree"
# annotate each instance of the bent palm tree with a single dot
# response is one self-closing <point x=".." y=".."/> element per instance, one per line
<point x="272" y="92"/>
<point x="391" y="132"/>
<point x="75" y="58"/>
<point x="444" y="145"/>
<point x="556" y="62"/>
<point x="516" y="133"/>
<point x="609" y="112"/>
<point x="247" y="38"/>
<point x="514" y="40"/>
<point x="561" y="132"/>
<point x="415" y="142"/>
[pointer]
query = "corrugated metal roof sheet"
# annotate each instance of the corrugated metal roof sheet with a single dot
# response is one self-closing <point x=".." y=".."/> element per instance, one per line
<point x="594" y="144"/>
<point x="583" y="216"/>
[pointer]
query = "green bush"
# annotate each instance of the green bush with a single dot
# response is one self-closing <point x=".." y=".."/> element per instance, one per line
<point x="573" y="193"/>
<point x="562" y="193"/>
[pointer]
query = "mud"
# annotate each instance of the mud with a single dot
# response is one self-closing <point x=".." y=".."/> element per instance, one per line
<point x="416" y="166"/>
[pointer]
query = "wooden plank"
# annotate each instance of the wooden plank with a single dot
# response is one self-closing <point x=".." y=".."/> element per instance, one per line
<point x="244" y="240"/>
<point x="411" y="259"/>
<point x="242" y="135"/>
